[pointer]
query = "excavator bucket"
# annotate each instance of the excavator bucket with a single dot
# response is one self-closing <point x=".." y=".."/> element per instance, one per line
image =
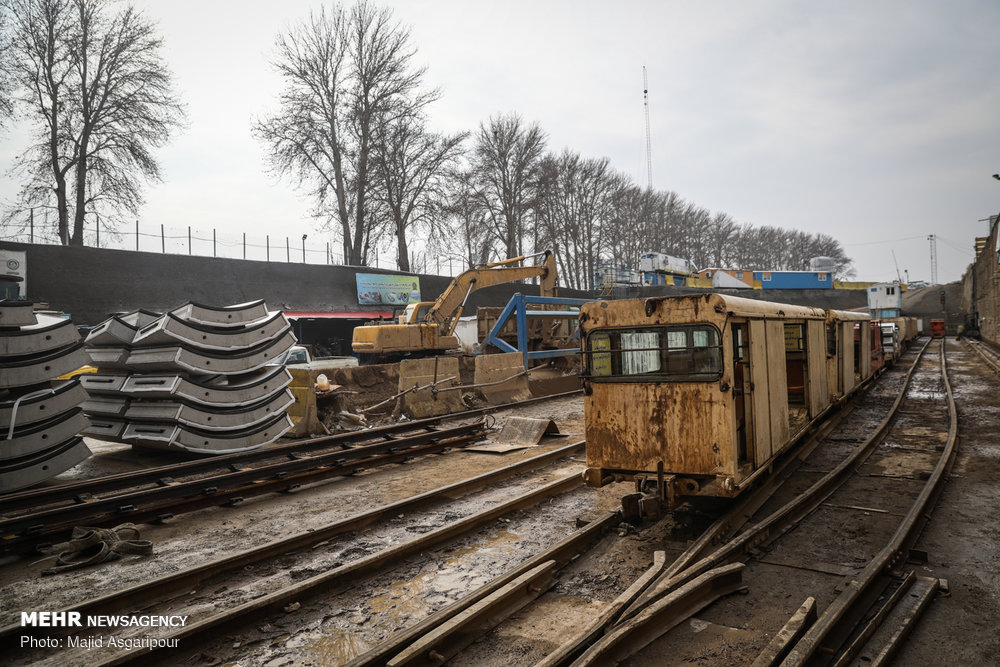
<point x="426" y="383"/>
<point x="501" y="378"/>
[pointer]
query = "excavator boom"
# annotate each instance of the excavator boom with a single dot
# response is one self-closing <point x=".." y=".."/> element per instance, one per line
<point x="431" y="329"/>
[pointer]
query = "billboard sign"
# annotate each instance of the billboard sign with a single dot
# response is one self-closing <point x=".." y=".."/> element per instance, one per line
<point x="14" y="268"/>
<point x="381" y="289"/>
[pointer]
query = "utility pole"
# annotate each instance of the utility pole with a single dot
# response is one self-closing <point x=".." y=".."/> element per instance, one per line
<point x="933" y="241"/>
<point x="649" y="149"/>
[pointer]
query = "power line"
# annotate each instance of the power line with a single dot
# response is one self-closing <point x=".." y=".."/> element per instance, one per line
<point x="905" y="238"/>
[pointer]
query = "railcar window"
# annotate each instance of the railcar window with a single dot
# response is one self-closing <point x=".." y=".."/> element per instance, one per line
<point x="690" y="352"/>
<point x="794" y="338"/>
<point x="639" y="354"/>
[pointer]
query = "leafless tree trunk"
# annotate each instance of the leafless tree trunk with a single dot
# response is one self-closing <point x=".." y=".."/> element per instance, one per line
<point x="348" y="77"/>
<point x="467" y="225"/>
<point x="102" y="98"/>
<point x="411" y="165"/>
<point x="505" y="164"/>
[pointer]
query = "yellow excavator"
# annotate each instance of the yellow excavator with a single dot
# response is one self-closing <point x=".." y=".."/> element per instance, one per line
<point x="428" y="327"/>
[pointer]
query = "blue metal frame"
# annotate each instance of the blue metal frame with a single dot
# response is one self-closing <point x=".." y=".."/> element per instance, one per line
<point x="518" y="306"/>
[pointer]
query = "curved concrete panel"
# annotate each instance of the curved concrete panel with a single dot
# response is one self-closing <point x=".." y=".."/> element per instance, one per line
<point x="26" y="472"/>
<point x="47" y="334"/>
<point x="60" y="397"/>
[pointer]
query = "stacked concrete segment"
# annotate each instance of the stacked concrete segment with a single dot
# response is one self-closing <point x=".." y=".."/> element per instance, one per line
<point x="40" y="416"/>
<point x="196" y="379"/>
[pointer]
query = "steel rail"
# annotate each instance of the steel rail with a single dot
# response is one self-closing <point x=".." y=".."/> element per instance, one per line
<point x="346" y="574"/>
<point x="629" y="638"/>
<point x="82" y="491"/>
<point x="185" y="580"/>
<point x="563" y="553"/>
<point x="787" y="516"/>
<point x="84" y="488"/>
<point x="892" y="553"/>
<point x="179" y="497"/>
<point x="989" y="355"/>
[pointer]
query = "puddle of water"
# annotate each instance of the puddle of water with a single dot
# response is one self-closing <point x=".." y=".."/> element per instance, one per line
<point x="337" y="648"/>
<point x="403" y="599"/>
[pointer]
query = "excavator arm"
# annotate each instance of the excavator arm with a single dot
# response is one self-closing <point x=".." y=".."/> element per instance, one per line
<point x="448" y="307"/>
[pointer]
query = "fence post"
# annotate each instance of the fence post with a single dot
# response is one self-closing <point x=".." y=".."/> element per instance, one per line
<point x="213" y="242"/>
<point x="244" y="245"/>
<point x="163" y="240"/>
<point x="137" y="234"/>
<point x="328" y="258"/>
<point x="31" y="223"/>
<point x="98" y="219"/>
<point x="189" y="240"/>
<point x="288" y="250"/>
<point x="267" y="241"/>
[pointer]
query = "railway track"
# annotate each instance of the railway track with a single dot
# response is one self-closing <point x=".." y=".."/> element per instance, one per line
<point x="843" y="543"/>
<point x="39" y="517"/>
<point x="313" y="551"/>
<point x="685" y="578"/>
<point x="988" y="354"/>
<point x="672" y="588"/>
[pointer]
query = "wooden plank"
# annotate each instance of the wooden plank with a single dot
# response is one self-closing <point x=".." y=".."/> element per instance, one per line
<point x="816" y="372"/>
<point x="777" y="384"/>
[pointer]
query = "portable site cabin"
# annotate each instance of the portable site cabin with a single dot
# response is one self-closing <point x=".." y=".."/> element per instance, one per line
<point x="705" y="389"/>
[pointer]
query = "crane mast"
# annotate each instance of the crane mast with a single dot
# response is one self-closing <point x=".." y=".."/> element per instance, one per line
<point x="649" y="150"/>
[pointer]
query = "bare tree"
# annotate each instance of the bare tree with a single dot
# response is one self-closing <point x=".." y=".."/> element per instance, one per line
<point x="411" y="165"/>
<point x="348" y="76"/>
<point x="466" y="223"/>
<point x="6" y="70"/>
<point x="101" y="96"/>
<point x="505" y="163"/>
<point x="574" y="205"/>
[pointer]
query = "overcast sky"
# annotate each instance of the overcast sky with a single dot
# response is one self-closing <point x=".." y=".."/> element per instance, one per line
<point x="875" y="122"/>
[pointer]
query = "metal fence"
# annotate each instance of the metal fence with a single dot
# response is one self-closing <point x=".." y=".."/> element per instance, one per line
<point x="304" y="249"/>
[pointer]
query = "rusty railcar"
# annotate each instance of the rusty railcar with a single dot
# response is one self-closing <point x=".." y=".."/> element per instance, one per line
<point x="696" y="394"/>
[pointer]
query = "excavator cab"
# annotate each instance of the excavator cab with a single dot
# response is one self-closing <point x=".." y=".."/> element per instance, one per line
<point x="415" y="312"/>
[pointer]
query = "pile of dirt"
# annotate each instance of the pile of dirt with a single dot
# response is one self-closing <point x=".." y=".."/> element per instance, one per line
<point x="926" y="301"/>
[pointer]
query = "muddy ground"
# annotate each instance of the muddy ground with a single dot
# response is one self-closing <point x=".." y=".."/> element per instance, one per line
<point x="962" y="541"/>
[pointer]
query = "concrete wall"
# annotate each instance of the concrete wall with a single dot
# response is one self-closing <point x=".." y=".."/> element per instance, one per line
<point x="92" y="283"/>
<point x="981" y="291"/>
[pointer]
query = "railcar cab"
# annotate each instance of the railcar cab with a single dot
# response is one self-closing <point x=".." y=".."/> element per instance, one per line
<point x="696" y="394"/>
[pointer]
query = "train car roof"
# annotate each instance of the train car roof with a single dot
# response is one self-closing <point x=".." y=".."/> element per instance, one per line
<point x="719" y="303"/>
<point x="847" y="315"/>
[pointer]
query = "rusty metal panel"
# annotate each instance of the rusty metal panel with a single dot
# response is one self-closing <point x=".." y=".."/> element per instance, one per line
<point x="634" y="425"/>
<point x="433" y="377"/>
<point x="819" y="387"/>
<point x="517" y="433"/>
<point x="777" y="384"/>
<point x="507" y="371"/>
<point x="760" y="395"/>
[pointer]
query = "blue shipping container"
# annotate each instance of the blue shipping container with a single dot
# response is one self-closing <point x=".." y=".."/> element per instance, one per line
<point x="794" y="279"/>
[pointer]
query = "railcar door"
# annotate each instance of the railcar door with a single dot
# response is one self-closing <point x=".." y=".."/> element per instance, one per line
<point x="742" y="394"/>
<point x="760" y="395"/>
